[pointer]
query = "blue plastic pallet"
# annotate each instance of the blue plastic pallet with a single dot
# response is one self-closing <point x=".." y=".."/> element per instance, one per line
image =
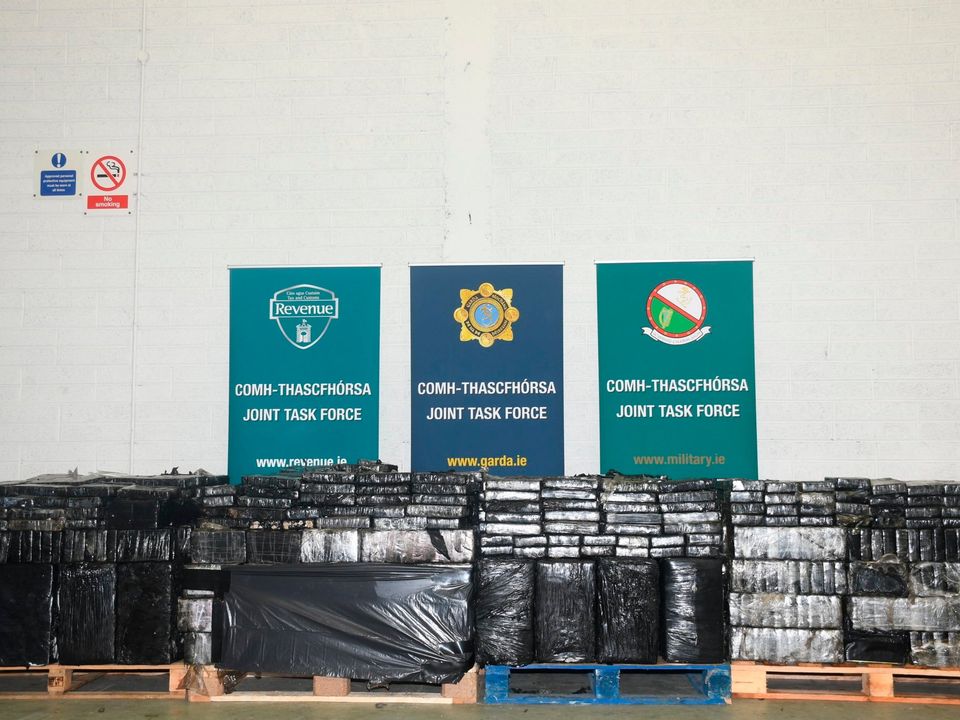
<point x="710" y="683"/>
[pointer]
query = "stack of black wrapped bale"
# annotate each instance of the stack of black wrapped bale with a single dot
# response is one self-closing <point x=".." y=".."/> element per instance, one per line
<point x="589" y="517"/>
<point x="881" y="585"/>
<point x="90" y="567"/>
<point x="785" y="598"/>
<point x="367" y="513"/>
<point x="614" y="570"/>
<point x="783" y="504"/>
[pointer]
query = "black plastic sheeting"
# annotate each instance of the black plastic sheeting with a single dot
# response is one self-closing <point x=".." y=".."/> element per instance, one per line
<point x="893" y="647"/>
<point x="85" y="623"/>
<point x="382" y="623"/>
<point x="628" y="611"/>
<point x="26" y="614"/>
<point x="693" y="609"/>
<point x="565" y="616"/>
<point x="886" y="579"/>
<point x="146" y="598"/>
<point x="505" y="612"/>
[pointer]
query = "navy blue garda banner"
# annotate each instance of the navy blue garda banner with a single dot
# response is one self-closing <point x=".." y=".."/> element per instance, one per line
<point x="486" y="346"/>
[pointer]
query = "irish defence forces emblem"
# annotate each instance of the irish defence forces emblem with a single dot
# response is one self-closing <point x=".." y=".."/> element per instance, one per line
<point x="676" y="310"/>
<point x="486" y="315"/>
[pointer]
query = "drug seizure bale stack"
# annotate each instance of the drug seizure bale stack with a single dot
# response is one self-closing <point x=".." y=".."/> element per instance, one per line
<point x="90" y="567"/>
<point x="876" y="580"/>
<point x="615" y="569"/>
<point x="364" y="513"/>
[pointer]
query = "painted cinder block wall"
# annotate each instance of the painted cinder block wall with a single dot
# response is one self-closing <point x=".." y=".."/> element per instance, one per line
<point x="819" y="138"/>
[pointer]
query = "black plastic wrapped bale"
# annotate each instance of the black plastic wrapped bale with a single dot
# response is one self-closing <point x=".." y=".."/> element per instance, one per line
<point x="887" y="579"/>
<point x="85" y="625"/>
<point x="505" y="612"/>
<point x="628" y="611"/>
<point x="218" y="547"/>
<point x="382" y="623"/>
<point x="889" y="647"/>
<point x="146" y="601"/>
<point x="693" y="610"/>
<point x="273" y="547"/>
<point x="26" y="614"/>
<point x="565" y="616"/>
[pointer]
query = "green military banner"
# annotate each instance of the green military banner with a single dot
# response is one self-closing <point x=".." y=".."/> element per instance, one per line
<point x="304" y="367"/>
<point x="676" y="360"/>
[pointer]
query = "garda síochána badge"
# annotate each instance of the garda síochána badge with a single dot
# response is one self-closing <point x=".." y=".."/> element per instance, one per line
<point x="676" y="310"/>
<point x="486" y="315"/>
<point x="303" y="313"/>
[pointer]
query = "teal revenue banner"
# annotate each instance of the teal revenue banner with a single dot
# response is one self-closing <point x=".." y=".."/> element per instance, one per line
<point x="676" y="356"/>
<point x="304" y="367"/>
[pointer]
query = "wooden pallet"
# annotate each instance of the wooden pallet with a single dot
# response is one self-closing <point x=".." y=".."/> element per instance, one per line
<point x="64" y="680"/>
<point x="706" y="685"/>
<point x="209" y="681"/>
<point x="750" y="680"/>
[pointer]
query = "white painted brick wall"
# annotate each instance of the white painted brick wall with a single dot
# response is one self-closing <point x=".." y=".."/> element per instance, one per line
<point x="819" y="138"/>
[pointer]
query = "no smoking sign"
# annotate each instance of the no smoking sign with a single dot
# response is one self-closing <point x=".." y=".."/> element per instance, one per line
<point x="108" y="174"/>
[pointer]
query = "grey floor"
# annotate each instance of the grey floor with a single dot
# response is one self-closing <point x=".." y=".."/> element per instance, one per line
<point x="740" y="710"/>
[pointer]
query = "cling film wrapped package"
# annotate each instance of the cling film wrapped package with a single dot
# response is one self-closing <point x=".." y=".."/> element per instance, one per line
<point x="628" y="611"/>
<point x="786" y="646"/>
<point x="218" y="547"/>
<point x="273" y="547"/>
<point x="933" y="614"/>
<point x="417" y="546"/>
<point x="772" y="610"/>
<point x="692" y="610"/>
<point x="504" y="609"/>
<point x="933" y="579"/>
<point x="26" y="614"/>
<point x="797" y="577"/>
<point x="146" y="604"/>
<point x="323" y="546"/>
<point x="86" y="620"/>
<point x="145" y="545"/>
<point x="887" y="579"/>
<point x="382" y="623"/>
<point x="884" y="647"/>
<point x="790" y="543"/>
<point x="935" y="649"/>
<point x="565" y="629"/>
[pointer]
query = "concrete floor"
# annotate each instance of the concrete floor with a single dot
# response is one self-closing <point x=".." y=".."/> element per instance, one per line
<point x="740" y="710"/>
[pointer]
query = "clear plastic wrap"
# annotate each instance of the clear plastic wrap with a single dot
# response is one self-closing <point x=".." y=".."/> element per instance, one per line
<point x="196" y="614"/>
<point x="417" y="546"/>
<point x="86" y="607"/>
<point x="628" y="611"/>
<point x="934" y="614"/>
<point x="145" y="605"/>
<point x="218" y="547"/>
<point x="145" y="545"/>
<point x="504" y="608"/>
<point x="382" y="623"/>
<point x="26" y="614"/>
<point x="786" y="646"/>
<point x="693" y="613"/>
<point x="790" y="543"/>
<point x="798" y="577"/>
<point x="773" y="610"/>
<point x="200" y="648"/>
<point x="273" y="547"/>
<point x="935" y="579"/>
<point x="565" y="618"/>
<point x="324" y="546"/>
<point x="935" y="649"/>
<point x="886" y="579"/>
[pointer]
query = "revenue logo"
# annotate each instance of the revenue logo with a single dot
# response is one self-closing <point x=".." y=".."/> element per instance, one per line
<point x="303" y="313"/>
<point x="486" y="315"/>
<point x="676" y="310"/>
